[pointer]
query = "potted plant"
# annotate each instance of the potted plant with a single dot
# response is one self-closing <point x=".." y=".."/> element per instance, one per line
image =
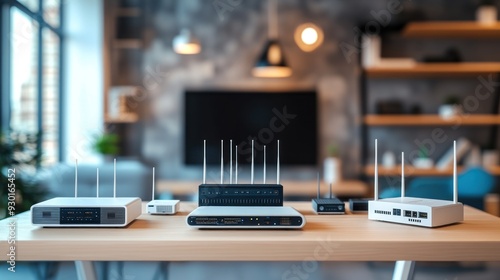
<point x="19" y="158"/>
<point x="423" y="160"/>
<point x="450" y="107"/>
<point x="332" y="166"/>
<point x="107" y="145"/>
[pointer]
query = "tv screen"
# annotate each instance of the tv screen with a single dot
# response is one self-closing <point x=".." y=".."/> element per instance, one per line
<point x="266" y="117"/>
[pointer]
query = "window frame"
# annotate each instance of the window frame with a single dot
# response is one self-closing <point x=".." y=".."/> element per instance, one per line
<point x="5" y="75"/>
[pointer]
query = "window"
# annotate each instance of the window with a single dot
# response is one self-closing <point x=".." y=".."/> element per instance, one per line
<point x="31" y="46"/>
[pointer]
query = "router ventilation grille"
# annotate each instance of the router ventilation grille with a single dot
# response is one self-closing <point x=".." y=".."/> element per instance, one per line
<point x="163" y="209"/>
<point x="241" y="202"/>
<point x="383" y="212"/>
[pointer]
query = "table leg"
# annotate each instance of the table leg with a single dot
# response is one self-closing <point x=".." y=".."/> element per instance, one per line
<point x="403" y="270"/>
<point x="85" y="270"/>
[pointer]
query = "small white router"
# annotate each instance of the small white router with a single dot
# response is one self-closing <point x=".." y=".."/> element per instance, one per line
<point x="87" y="211"/>
<point x="416" y="211"/>
<point x="162" y="206"/>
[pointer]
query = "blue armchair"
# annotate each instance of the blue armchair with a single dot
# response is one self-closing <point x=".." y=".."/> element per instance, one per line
<point x="473" y="184"/>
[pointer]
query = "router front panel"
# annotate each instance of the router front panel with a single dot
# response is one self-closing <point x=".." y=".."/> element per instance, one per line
<point x="86" y="212"/>
<point x="415" y="214"/>
<point x="241" y="217"/>
<point x="77" y="216"/>
<point x="240" y="195"/>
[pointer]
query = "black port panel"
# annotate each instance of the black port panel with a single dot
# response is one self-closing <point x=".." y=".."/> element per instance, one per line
<point x="414" y="214"/>
<point x="422" y="215"/>
<point x="407" y="213"/>
<point x="396" y="212"/>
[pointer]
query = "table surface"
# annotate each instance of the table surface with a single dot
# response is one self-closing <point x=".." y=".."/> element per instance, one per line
<point x="348" y="188"/>
<point x="350" y="237"/>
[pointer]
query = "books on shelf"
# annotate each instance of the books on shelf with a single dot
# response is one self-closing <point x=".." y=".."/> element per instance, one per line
<point x="446" y="161"/>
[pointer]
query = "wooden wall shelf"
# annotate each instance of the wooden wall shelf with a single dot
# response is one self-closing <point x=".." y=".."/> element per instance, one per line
<point x="417" y="172"/>
<point x="451" y="29"/>
<point x="425" y="120"/>
<point x="435" y="69"/>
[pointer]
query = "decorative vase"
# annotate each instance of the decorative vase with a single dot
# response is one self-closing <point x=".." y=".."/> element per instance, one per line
<point x="332" y="172"/>
<point x="423" y="163"/>
<point x="486" y="14"/>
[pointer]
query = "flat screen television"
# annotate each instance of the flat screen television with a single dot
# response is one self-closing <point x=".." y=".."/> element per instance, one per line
<point x="265" y="116"/>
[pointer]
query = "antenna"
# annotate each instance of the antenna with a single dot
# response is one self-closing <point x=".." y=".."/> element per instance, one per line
<point x="251" y="171"/>
<point x="330" y="190"/>
<point x="264" y="164"/>
<point x="153" y="193"/>
<point x="230" y="161"/>
<point x="455" y="183"/>
<point x="318" y="184"/>
<point x="97" y="184"/>
<point x="278" y="165"/>
<point x="114" y="178"/>
<point x="402" y="174"/>
<point x="236" y="167"/>
<point x="375" y="175"/>
<point x="204" y="161"/>
<point x="76" y="177"/>
<point x="222" y="161"/>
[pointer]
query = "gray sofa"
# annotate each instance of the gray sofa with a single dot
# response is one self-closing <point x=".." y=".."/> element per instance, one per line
<point x="133" y="179"/>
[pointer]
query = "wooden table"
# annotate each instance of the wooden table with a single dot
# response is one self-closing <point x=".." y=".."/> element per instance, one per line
<point x="350" y="188"/>
<point x="350" y="237"/>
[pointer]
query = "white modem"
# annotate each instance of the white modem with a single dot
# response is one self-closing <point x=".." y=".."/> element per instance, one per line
<point x="416" y="211"/>
<point x="162" y="206"/>
<point x="87" y="211"/>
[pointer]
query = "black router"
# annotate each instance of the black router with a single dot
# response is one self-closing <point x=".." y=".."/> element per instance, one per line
<point x="234" y="194"/>
<point x="328" y="206"/>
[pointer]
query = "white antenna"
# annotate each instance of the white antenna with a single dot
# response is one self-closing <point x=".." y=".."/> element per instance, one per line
<point x="230" y="161"/>
<point x="455" y="184"/>
<point x="251" y="171"/>
<point x="76" y="177"/>
<point x="318" y="184"/>
<point x="236" y="167"/>
<point x="375" y="175"/>
<point x="114" y="178"/>
<point x="278" y="165"/>
<point x="97" y="185"/>
<point x="264" y="164"/>
<point x="222" y="161"/>
<point x="402" y="174"/>
<point x="330" y="190"/>
<point x="204" y="161"/>
<point x="153" y="193"/>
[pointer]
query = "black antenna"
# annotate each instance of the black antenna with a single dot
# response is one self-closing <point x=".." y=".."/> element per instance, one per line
<point x="204" y="161"/>
<point x="318" y="184"/>
<point x="230" y="161"/>
<point x="264" y="164"/>
<point x="251" y="171"/>
<point x="236" y="166"/>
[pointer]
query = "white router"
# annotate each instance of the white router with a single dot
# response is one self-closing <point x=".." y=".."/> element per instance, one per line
<point x="87" y="211"/>
<point x="162" y="206"/>
<point x="416" y="211"/>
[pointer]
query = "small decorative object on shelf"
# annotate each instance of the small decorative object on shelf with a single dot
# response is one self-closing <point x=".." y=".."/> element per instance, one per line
<point x="107" y="145"/>
<point x="332" y="172"/>
<point x="450" y="108"/>
<point x="486" y="13"/>
<point x="121" y="104"/>
<point x="388" y="159"/>
<point x="423" y="161"/>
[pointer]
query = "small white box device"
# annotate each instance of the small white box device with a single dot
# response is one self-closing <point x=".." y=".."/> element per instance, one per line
<point x="246" y="217"/>
<point x="87" y="211"/>
<point x="416" y="211"/>
<point x="161" y="206"/>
